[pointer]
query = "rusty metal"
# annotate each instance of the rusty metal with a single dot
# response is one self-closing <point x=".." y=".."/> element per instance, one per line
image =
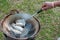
<point x="8" y="37"/>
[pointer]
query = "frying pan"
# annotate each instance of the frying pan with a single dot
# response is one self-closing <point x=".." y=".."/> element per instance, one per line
<point x="12" y="17"/>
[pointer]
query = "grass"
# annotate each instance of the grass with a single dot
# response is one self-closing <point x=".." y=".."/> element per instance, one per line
<point x="49" y="20"/>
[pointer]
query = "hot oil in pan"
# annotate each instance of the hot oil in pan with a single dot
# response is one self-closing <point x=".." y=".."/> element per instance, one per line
<point x="28" y="30"/>
<point x="30" y="25"/>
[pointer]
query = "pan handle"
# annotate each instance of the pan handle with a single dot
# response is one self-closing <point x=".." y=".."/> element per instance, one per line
<point x="39" y="11"/>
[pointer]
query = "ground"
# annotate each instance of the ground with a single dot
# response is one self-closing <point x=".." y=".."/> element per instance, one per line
<point x="49" y="19"/>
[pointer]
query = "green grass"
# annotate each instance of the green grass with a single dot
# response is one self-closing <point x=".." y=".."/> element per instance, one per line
<point x="49" y="20"/>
